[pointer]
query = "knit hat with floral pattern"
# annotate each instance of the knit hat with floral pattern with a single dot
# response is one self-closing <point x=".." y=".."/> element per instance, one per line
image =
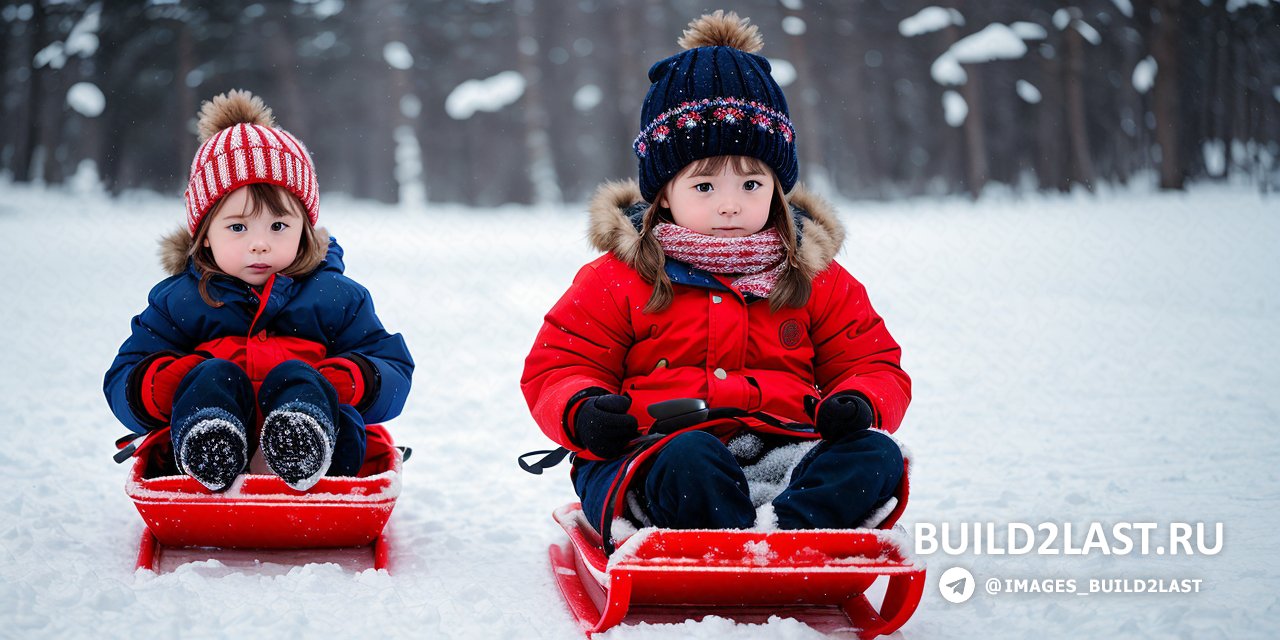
<point x="715" y="98"/>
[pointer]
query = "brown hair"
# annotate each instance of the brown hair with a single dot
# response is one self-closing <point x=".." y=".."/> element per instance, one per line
<point x="793" y="285"/>
<point x="280" y="203"/>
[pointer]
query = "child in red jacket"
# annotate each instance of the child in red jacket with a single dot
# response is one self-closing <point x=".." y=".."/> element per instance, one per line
<point x="719" y="285"/>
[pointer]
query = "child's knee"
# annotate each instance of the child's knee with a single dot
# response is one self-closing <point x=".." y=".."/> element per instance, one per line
<point x="290" y="370"/>
<point x="210" y="381"/>
<point x="297" y="381"/>
<point x="218" y="368"/>
<point x="882" y="452"/>
<point x="694" y="462"/>
<point x="692" y="449"/>
<point x="695" y="483"/>
<point x="884" y="447"/>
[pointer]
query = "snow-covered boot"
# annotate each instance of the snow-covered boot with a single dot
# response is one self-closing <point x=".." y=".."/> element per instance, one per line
<point x="212" y="448"/>
<point x="297" y="443"/>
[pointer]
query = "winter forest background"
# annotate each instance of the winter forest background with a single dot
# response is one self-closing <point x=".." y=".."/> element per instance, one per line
<point x="1106" y="356"/>
<point x="489" y="102"/>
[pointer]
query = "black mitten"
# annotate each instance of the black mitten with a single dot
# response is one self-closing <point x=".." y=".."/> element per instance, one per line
<point x="604" y="427"/>
<point x="843" y="414"/>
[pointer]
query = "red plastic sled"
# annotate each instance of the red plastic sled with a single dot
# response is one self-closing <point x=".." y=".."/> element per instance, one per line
<point x="261" y="511"/>
<point x="670" y="575"/>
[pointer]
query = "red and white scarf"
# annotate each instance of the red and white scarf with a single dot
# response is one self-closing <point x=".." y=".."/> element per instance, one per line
<point x="758" y="257"/>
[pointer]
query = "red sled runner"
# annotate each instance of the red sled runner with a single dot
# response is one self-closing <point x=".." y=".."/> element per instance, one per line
<point x="669" y="575"/>
<point x="261" y="511"/>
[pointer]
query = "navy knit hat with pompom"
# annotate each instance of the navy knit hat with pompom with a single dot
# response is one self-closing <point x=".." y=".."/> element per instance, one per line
<point x="714" y="98"/>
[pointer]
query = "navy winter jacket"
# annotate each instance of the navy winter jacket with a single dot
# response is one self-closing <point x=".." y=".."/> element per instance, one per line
<point x="320" y="315"/>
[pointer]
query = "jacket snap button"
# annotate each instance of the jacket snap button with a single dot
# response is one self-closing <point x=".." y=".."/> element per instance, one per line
<point x="661" y="364"/>
<point x="720" y="373"/>
<point x="716" y="299"/>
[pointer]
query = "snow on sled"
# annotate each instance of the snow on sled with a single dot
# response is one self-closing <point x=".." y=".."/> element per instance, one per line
<point x="261" y="512"/>
<point x="669" y="575"/>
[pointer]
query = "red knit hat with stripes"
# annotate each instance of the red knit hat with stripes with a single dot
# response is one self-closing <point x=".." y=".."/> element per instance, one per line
<point x="241" y="145"/>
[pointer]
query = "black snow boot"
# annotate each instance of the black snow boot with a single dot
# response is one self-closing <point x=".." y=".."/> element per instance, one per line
<point x="213" y="448"/>
<point x="297" y="443"/>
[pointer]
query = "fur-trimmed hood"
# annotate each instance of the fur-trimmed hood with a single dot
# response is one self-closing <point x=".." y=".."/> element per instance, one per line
<point x="617" y="209"/>
<point x="175" y="249"/>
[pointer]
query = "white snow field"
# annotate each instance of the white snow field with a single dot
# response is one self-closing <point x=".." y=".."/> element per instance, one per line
<point x="1077" y="359"/>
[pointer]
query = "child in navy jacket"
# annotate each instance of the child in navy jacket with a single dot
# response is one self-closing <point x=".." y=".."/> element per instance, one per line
<point x="257" y="340"/>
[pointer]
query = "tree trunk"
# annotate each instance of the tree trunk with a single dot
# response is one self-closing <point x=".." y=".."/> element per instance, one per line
<point x="1049" y="130"/>
<point x="186" y="111"/>
<point x="409" y="174"/>
<point x="1166" y="95"/>
<point x="631" y="85"/>
<point x="975" y="143"/>
<point x="282" y="60"/>
<point x="375" y="175"/>
<point x="122" y="28"/>
<point x="804" y="108"/>
<point x="8" y="86"/>
<point x="543" y="182"/>
<point x="847" y="91"/>
<point x="975" y="140"/>
<point x="27" y="138"/>
<point x="1077" y="134"/>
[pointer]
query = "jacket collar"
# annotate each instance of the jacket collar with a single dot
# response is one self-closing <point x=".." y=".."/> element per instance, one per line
<point x="617" y="211"/>
<point x="687" y="274"/>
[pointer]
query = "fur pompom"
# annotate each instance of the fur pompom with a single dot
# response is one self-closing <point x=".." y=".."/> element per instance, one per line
<point x="233" y="107"/>
<point x="722" y="29"/>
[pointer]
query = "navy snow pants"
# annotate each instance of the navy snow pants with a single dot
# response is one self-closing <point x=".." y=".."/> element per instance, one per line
<point x="220" y="388"/>
<point x="695" y="483"/>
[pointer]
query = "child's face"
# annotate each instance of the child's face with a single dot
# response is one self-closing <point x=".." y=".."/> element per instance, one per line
<point x="253" y="247"/>
<point x="728" y="205"/>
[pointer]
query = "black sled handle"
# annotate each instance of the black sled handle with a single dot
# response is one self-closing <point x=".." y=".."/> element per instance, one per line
<point x="127" y="447"/>
<point x="125" y="453"/>
<point x="671" y="416"/>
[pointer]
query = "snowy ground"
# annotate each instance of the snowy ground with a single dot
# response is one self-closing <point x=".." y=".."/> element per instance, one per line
<point x="1076" y="359"/>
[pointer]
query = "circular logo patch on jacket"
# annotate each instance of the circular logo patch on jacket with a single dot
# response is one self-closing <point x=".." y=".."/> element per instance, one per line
<point x="790" y="333"/>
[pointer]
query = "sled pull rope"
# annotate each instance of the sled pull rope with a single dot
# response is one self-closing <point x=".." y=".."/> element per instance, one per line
<point x="670" y="415"/>
<point x="550" y="458"/>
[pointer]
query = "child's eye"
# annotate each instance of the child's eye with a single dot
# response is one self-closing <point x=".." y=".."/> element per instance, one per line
<point x="703" y="187"/>
<point x="236" y="228"/>
<point x="751" y="185"/>
<point x="279" y="226"/>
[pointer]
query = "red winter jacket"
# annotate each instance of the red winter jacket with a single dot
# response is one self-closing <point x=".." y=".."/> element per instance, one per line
<point x="711" y="343"/>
